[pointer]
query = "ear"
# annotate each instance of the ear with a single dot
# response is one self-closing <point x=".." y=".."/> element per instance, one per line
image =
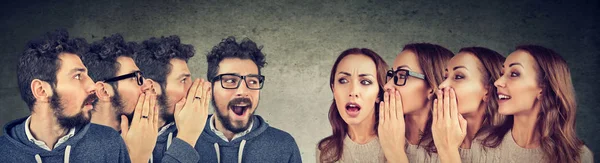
<point x="104" y="91"/>
<point x="148" y="86"/>
<point x="41" y="90"/>
<point x="154" y="86"/>
<point x="331" y="86"/>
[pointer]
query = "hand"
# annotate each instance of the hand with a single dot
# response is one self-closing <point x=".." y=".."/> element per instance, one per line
<point x="192" y="111"/>
<point x="449" y="128"/>
<point x="141" y="136"/>
<point x="391" y="127"/>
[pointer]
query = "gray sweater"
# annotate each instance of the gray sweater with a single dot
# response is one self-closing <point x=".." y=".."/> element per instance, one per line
<point x="370" y="152"/>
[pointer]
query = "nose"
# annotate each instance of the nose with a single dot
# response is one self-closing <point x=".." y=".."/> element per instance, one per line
<point x="444" y="84"/>
<point x="89" y="84"/>
<point x="242" y="90"/>
<point x="353" y="90"/>
<point x="500" y="82"/>
<point x="389" y="86"/>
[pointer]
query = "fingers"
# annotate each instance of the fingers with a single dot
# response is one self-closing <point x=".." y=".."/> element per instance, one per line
<point x="124" y="126"/>
<point x="453" y="106"/>
<point x="434" y="112"/>
<point x="207" y="97"/>
<point x="192" y="92"/>
<point x="386" y="106"/>
<point x="151" y="108"/>
<point x="399" y="107"/>
<point x="446" y="106"/>
<point x="381" y="119"/>
<point x="463" y="124"/>
<point x="138" y="108"/>
<point x="146" y="106"/>
<point x="392" y="107"/>
<point x="440" y="104"/>
<point x="155" y="108"/>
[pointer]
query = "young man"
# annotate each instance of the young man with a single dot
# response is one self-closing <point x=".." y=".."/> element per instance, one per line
<point x="183" y="104"/>
<point x="54" y="83"/>
<point x="235" y="134"/>
<point x="121" y="88"/>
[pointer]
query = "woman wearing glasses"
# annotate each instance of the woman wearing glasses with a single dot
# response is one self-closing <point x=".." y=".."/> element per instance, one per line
<point x="406" y="117"/>
<point x="536" y="94"/>
<point x="468" y="97"/>
<point x="357" y="79"/>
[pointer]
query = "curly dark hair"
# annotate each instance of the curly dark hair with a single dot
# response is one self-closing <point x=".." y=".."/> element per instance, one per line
<point x="101" y="60"/>
<point x="153" y="56"/>
<point x="229" y="48"/>
<point x="40" y="60"/>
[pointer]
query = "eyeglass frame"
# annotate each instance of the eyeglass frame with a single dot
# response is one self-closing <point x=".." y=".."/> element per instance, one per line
<point x="261" y="79"/>
<point x="140" y="78"/>
<point x="393" y="74"/>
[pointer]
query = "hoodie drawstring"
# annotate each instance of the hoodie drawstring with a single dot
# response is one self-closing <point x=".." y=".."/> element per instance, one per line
<point x="67" y="153"/>
<point x="218" y="153"/>
<point x="38" y="159"/>
<point x="241" y="151"/>
<point x="169" y="140"/>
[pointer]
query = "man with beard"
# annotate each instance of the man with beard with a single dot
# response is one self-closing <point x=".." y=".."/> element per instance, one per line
<point x="183" y="103"/>
<point x="235" y="134"/>
<point x="54" y="83"/>
<point x="120" y="85"/>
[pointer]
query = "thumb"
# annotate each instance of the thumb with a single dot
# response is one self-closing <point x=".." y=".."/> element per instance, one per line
<point x="124" y="126"/>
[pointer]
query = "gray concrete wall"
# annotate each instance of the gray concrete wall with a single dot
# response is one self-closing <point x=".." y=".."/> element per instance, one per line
<point x="303" y="38"/>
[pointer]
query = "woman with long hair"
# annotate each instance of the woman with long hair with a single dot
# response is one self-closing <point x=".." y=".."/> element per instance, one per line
<point x="416" y="73"/>
<point x="469" y="97"/>
<point x="536" y="94"/>
<point x="356" y="80"/>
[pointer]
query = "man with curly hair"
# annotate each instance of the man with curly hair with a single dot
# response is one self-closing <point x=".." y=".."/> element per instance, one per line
<point x="235" y="134"/>
<point x="183" y="103"/>
<point x="121" y="88"/>
<point x="54" y="84"/>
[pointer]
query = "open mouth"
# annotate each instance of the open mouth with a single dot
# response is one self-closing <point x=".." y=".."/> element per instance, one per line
<point x="352" y="109"/>
<point x="503" y="97"/>
<point x="90" y="100"/>
<point x="239" y="109"/>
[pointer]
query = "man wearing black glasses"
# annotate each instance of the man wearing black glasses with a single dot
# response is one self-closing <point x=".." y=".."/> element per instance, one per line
<point x="183" y="102"/>
<point x="121" y="89"/>
<point x="234" y="133"/>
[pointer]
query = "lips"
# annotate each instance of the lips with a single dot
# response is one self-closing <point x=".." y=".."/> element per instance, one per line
<point x="240" y="108"/>
<point x="353" y="109"/>
<point x="239" y="105"/>
<point x="90" y="100"/>
<point x="503" y="96"/>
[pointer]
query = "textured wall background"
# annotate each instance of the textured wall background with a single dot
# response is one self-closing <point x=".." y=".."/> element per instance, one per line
<point x="303" y="38"/>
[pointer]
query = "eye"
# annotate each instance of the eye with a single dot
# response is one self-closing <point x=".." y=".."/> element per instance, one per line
<point x="366" y="82"/>
<point x="402" y="76"/>
<point x="445" y="77"/>
<point x="183" y="80"/>
<point x="514" y="74"/>
<point x="456" y="77"/>
<point x="78" y="77"/>
<point x="252" y="82"/>
<point x="342" y="81"/>
<point x="230" y="81"/>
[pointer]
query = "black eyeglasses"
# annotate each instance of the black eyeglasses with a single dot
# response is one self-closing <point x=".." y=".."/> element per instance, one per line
<point x="137" y="74"/>
<point x="232" y="81"/>
<point x="401" y="75"/>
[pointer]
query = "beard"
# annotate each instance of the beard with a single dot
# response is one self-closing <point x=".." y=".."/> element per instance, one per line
<point x="163" y="103"/>
<point x="119" y="108"/>
<point x="65" y="121"/>
<point x="229" y="124"/>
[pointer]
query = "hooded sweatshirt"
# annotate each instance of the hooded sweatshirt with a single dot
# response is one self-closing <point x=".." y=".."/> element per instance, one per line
<point x="262" y="144"/>
<point x="91" y="143"/>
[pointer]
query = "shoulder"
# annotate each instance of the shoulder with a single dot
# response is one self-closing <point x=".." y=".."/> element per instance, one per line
<point x="103" y="134"/>
<point x="277" y="134"/>
<point x="586" y="155"/>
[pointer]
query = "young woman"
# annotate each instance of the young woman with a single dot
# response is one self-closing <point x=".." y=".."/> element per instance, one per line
<point x="357" y="79"/>
<point x="470" y="95"/>
<point x="416" y="73"/>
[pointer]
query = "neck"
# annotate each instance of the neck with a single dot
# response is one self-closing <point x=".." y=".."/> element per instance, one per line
<point x="363" y="132"/>
<point x="524" y="129"/>
<point x="474" y="123"/>
<point x="44" y="126"/>
<point x="415" y="125"/>
<point x="104" y="114"/>
<point x="220" y="127"/>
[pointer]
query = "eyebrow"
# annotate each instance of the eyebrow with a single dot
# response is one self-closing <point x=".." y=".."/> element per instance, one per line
<point x="75" y="70"/>
<point x="348" y="74"/>
<point x="184" y="75"/>
<point x="512" y="64"/>
<point x="457" y="67"/>
<point x="403" y="66"/>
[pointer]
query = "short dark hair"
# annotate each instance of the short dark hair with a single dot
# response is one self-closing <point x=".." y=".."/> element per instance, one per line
<point x="40" y="60"/>
<point x="101" y="59"/>
<point x="229" y="48"/>
<point x="153" y="56"/>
